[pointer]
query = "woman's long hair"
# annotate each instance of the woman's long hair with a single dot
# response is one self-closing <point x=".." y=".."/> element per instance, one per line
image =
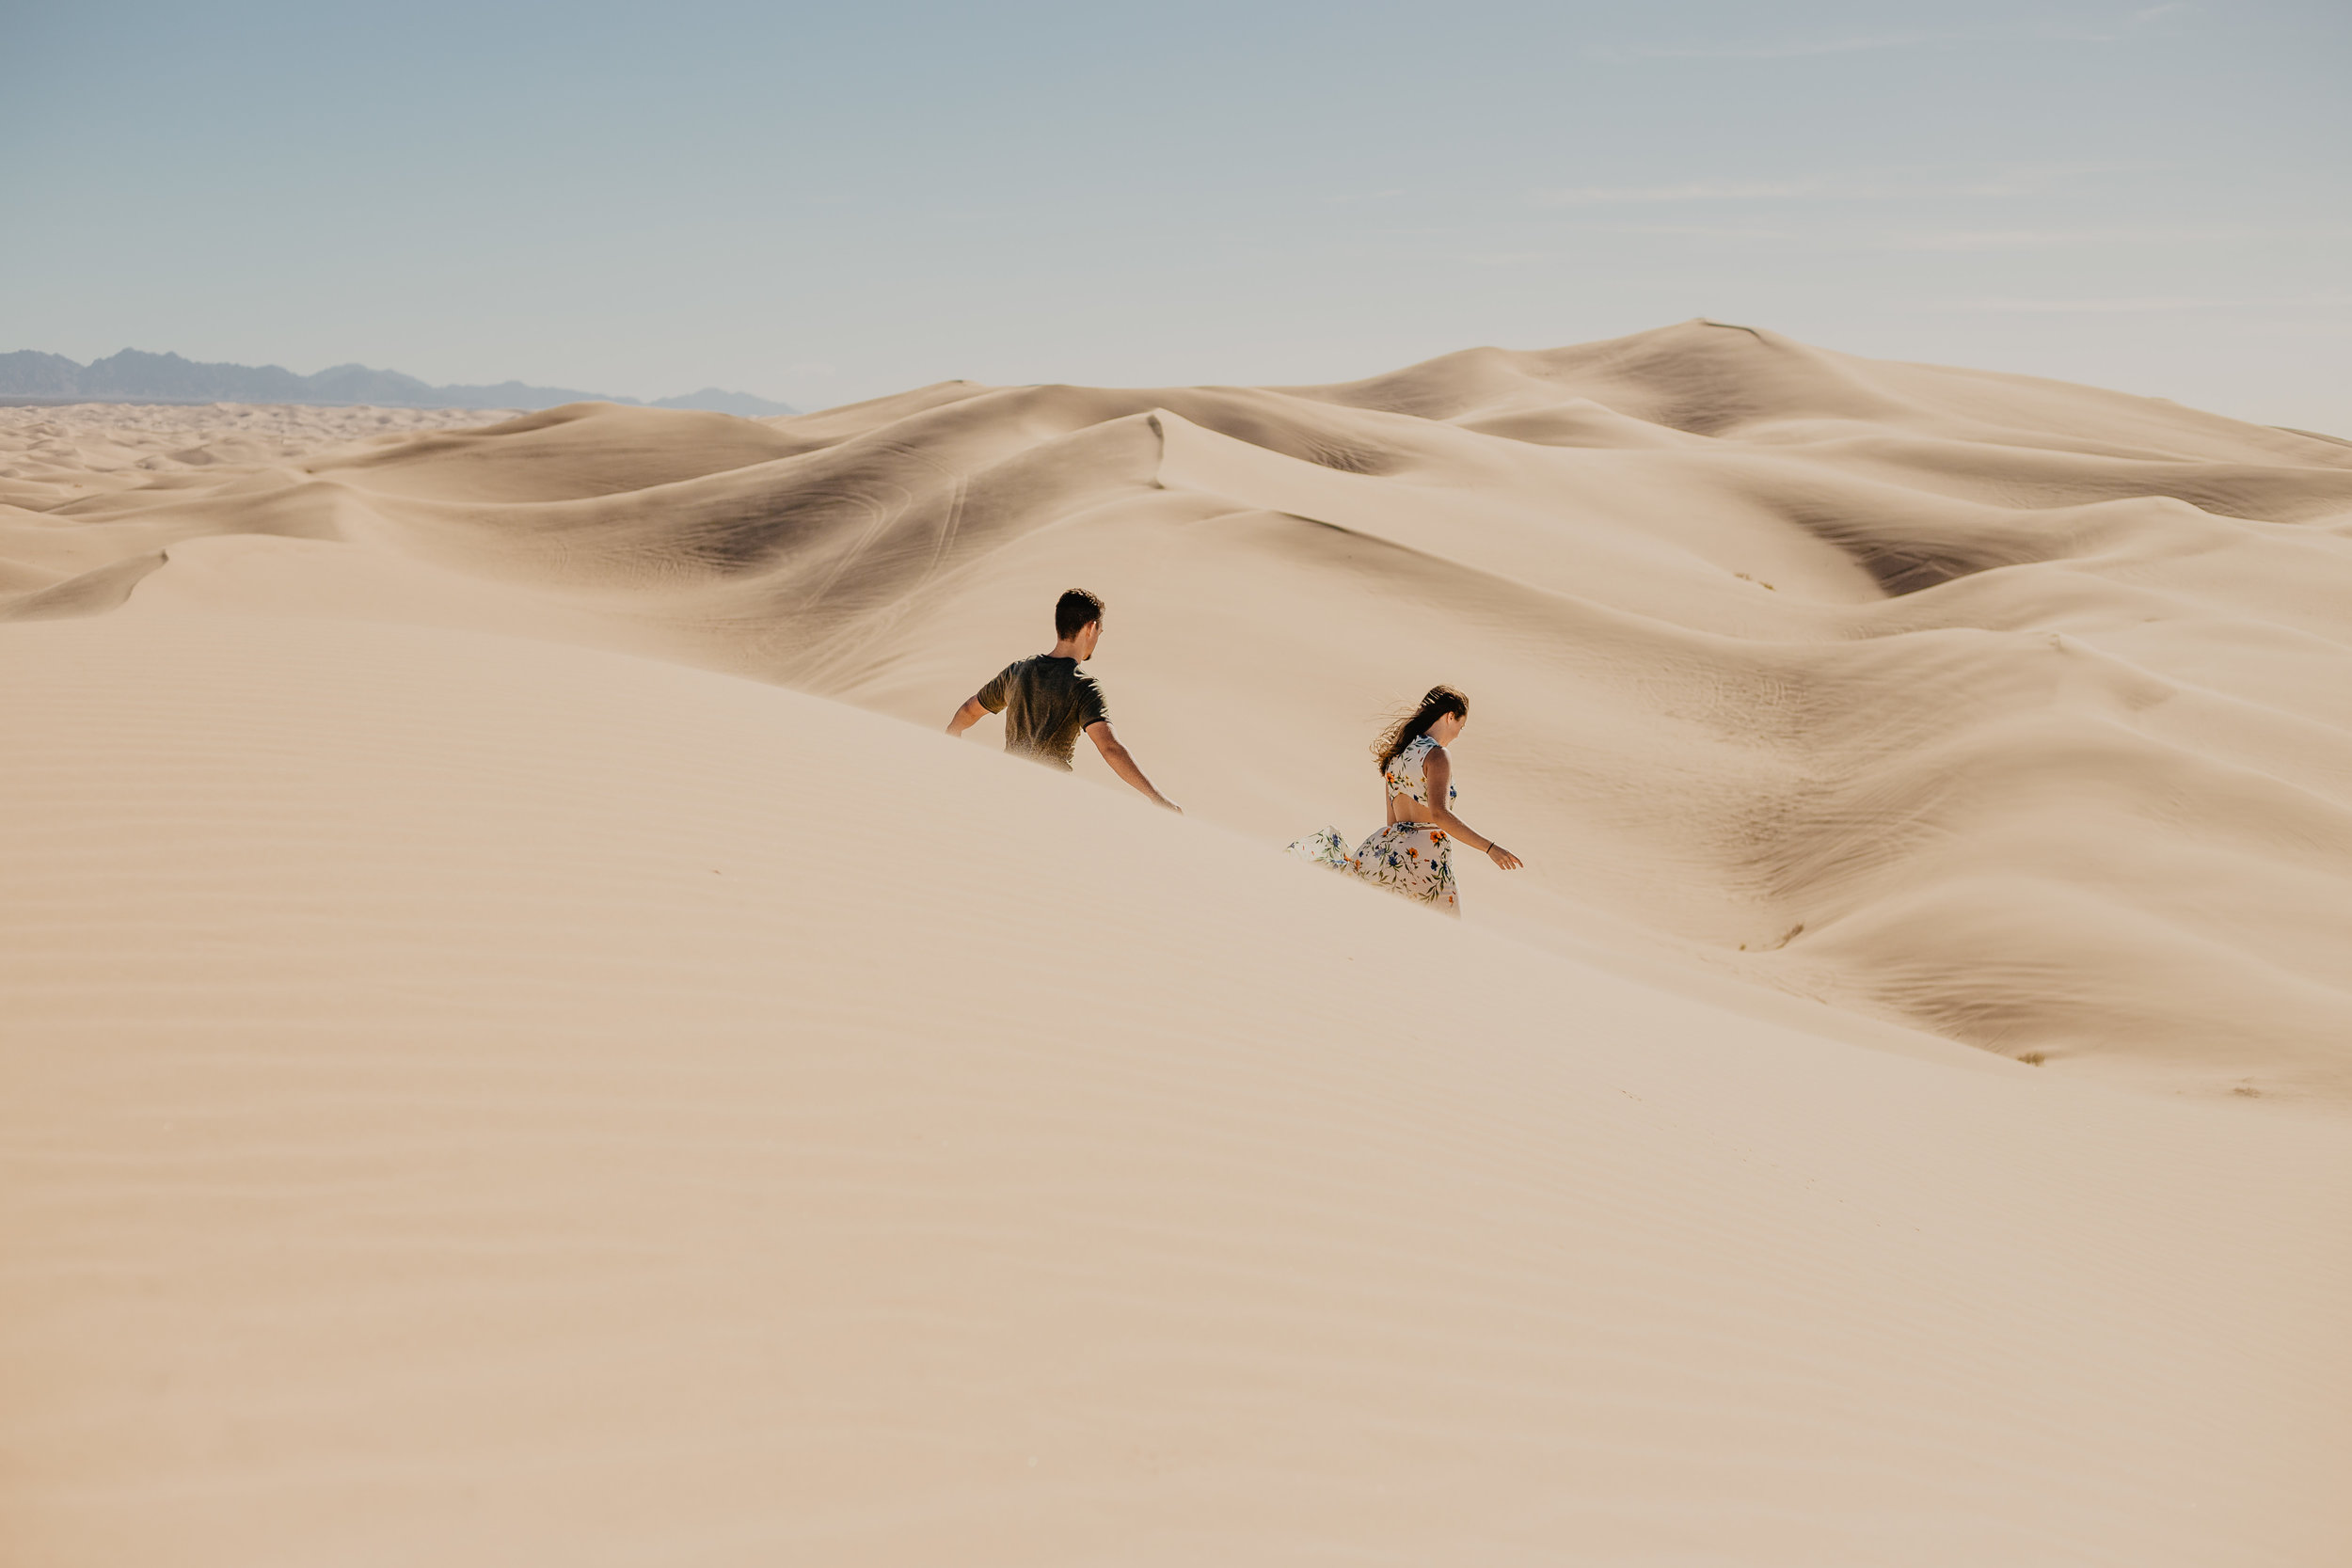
<point x="1440" y="701"/>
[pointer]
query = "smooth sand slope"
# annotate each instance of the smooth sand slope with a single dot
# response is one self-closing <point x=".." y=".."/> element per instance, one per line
<point x="481" y="1082"/>
<point x="479" y="1102"/>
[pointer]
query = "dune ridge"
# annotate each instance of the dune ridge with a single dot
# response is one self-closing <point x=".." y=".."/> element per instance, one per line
<point x="2008" y="711"/>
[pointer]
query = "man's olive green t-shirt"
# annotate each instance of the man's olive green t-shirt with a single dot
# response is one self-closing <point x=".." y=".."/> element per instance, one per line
<point x="1047" y="703"/>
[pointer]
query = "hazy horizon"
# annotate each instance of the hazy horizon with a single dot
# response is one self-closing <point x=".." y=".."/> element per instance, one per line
<point x="169" y="377"/>
<point x="818" y="206"/>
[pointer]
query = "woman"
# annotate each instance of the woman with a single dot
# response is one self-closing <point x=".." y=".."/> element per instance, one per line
<point x="1414" y="854"/>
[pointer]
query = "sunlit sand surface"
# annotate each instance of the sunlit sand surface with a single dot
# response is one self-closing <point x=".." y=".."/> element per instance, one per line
<point x="515" y="1052"/>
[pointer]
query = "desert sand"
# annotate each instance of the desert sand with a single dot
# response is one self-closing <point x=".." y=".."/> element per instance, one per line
<point x="523" y="1043"/>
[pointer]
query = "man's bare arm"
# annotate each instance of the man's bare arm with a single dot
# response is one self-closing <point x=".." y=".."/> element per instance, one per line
<point x="1123" y="764"/>
<point x="968" y="715"/>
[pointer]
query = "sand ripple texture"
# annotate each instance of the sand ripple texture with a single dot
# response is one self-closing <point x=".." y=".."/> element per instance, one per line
<point x="2012" y="711"/>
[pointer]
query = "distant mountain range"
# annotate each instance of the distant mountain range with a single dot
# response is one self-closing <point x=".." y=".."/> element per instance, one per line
<point x="134" y="376"/>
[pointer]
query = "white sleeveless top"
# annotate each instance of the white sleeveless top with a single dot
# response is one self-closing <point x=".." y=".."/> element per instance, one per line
<point x="1408" y="773"/>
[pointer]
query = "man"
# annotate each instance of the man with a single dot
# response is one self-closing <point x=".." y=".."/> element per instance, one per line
<point x="1047" y="700"/>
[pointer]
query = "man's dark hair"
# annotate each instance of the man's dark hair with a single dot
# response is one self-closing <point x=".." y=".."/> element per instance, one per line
<point x="1074" y="612"/>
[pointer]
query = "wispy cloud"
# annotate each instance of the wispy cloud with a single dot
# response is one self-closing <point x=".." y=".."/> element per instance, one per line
<point x="1686" y="230"/>
<point x="2157" y="305"/>
<point x="1862" y="43"/>
<point x="2305" y="307"/>
<point x="2037" y="179"/>
<point x="1999" y="239"/>
<point x="2163" y="234"/>
<point x="1580" y="250"/>
<point x="2065" y="238"/>
<point x="1511" y="258"/>
<point x="1688" y="190"/>
<point x="1894" y="184"/>
<point x="1786" y="50"/>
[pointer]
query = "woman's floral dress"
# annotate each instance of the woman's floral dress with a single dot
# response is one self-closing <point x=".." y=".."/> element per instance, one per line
<point x="1410" y="858"/>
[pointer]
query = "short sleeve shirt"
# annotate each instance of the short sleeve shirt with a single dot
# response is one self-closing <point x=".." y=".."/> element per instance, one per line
<point x="1047" y="703"/>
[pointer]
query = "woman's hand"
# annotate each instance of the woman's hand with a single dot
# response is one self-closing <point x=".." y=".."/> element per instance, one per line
<point x="1502" y="857"/>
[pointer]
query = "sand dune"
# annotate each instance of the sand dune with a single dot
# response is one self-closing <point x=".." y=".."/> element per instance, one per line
<point x="54" y="458"/>
<point x="2021" y="710"/>
<point x="486" y="1083"/>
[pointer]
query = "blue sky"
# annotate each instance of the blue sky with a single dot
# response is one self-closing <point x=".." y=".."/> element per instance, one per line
<point x="823" y="203"/>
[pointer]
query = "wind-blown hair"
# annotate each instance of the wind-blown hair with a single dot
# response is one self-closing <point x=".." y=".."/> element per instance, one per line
<point x="1440" y="701"/>
<point x="1074" y="612"/>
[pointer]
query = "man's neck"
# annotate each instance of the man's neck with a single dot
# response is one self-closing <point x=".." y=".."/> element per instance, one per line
<point x="1067" y="649"/>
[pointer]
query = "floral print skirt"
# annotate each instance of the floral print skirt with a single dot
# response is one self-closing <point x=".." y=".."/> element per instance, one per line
<point x="1410" y="858"/>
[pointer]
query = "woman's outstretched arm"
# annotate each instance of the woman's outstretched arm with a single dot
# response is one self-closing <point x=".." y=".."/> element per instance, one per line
<point x="1438" y="770"/>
